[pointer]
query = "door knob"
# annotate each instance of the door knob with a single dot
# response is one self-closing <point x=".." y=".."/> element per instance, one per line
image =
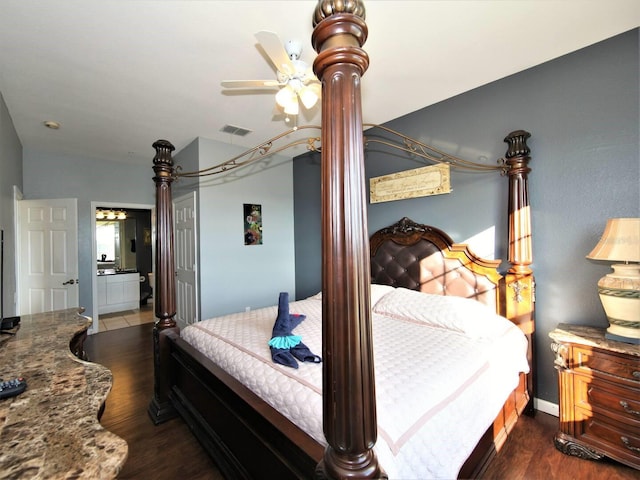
<point x="70" y="282"/>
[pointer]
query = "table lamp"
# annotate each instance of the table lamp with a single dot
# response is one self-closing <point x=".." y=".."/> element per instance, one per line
<point x="620" y="290"/>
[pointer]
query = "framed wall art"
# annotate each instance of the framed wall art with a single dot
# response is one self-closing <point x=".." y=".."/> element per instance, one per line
<point x="252" y="224"/>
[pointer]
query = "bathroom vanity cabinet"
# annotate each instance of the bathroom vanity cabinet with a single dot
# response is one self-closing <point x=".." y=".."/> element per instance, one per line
<point x="118" y="292"/>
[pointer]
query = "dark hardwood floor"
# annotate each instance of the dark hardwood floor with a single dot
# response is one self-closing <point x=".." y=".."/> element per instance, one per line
<point x="169" y="451"/>
<point x="529" y="454"/>
<point x="165" y="452"/>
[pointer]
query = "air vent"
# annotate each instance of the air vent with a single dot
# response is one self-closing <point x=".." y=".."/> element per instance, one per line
<point x="233" y="130"/>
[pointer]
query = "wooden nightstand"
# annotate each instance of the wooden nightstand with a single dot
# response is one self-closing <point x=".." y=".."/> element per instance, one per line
<point x="599" y="389"/>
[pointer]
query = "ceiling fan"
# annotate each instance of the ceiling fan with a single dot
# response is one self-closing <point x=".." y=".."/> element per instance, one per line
<point x="295" y="80"/>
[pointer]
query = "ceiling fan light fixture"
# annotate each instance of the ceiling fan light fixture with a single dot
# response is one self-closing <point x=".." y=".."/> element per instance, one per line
<point x="292" y="108"/>
<point x="308" y="97"/>
<point x="286" y="96"/>
<point x="296" y="82"/>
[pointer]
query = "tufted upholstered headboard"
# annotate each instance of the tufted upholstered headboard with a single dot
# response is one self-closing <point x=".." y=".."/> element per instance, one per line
<point x="420" y="257"/>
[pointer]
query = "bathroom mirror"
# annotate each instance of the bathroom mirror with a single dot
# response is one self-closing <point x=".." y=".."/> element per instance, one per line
<point x="116" y="244"/>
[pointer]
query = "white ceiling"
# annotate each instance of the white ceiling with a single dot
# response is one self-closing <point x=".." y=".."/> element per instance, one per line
<point x="120" y="74"/>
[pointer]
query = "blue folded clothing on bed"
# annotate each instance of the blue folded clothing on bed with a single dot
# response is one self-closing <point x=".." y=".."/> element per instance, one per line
<point x="284" y="344"/>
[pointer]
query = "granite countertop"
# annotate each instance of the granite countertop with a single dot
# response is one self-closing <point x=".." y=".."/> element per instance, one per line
<point x="593" y="337"/>
<point x="112" y="271"/>
<point x="51" y="430"/>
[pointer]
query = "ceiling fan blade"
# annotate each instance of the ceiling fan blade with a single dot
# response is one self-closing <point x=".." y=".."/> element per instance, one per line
<point x="274" y="49"/>
<point x="251" y="84"/>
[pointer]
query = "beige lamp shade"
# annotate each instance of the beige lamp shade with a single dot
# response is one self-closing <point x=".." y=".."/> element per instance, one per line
<point x="620" y="241"/>
<point x="619" y="290"/>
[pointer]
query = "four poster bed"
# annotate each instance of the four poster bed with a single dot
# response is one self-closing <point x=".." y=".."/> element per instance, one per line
<point x="408" y="300"/>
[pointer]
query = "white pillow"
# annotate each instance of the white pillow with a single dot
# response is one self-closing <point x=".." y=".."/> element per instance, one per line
<point x="377" y="292"/>
<point x="463" y="315"/>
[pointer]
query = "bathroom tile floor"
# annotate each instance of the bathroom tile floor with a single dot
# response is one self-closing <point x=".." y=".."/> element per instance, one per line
<point x="127" y="318"/>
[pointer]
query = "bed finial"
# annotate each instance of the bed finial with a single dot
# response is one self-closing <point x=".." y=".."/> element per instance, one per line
<point x="338" y="34"/>
<point x="163" y="151"/>
<point x="326" y="8"/>
<point x="517" y="141"/>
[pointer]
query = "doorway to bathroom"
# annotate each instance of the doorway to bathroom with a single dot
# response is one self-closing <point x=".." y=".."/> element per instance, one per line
<point x="122" y="264"/>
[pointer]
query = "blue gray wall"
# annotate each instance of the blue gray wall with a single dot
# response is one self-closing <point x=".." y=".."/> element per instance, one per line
<point x="234" y="276"/>
<point x="228" y="269"/>
<point x="10" y="176"/>
<point x="49" y="175"/>
<point x="582" y="111"/>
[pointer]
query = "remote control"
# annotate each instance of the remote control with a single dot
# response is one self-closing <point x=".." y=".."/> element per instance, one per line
<point x="11" y="388"/>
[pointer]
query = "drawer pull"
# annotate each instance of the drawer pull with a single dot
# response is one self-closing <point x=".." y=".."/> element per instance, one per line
<point x="628" y="409"/>
<point x="636" y="374"/>
<point x="627" y="444"/>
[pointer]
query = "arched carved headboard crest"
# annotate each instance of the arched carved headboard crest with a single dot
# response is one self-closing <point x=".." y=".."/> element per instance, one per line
<point x="406" y="232"/>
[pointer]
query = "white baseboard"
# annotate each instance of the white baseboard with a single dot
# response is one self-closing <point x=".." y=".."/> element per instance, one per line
<point x="546" y="407"/>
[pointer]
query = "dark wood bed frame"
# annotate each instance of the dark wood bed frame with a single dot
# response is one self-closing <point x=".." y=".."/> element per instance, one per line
<point x="246" y="437"/>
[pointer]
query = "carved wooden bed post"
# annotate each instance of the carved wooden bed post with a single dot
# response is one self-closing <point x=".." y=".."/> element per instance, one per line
<point x="519" y="279"/>
<point x="160" y="409"/>
<point x="349" y="408"/>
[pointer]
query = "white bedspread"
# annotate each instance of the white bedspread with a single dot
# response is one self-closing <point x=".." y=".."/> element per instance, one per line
<point x="439" y="385"/>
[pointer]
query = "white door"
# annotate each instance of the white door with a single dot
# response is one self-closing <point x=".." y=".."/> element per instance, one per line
<point x="185" y="238"/>
<point x="48" y="253"/>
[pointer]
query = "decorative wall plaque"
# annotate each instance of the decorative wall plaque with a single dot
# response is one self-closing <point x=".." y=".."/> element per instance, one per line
<point x="419" y="182"/>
